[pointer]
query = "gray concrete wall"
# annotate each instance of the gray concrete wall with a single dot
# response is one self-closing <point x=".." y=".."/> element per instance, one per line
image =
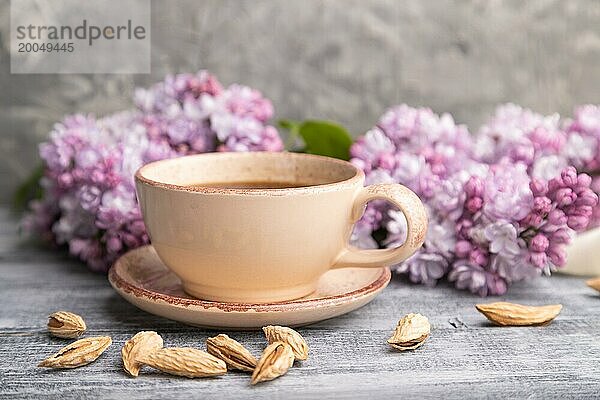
<point x="345" y="60"/>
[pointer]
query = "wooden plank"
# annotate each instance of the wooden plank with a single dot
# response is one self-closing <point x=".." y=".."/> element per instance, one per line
<point x="465" y="356"/>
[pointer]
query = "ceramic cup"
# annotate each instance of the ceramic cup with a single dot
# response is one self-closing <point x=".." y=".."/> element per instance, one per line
<point x="264" y="245"/>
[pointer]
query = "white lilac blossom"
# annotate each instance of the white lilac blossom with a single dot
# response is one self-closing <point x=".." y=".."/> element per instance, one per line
<point x="502" y="207"/>
<point x="89" y="202"/>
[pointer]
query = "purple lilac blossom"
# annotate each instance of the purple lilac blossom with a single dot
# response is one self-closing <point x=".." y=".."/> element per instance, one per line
<point x="502" y="208"/>
<point x="545" y="144"/>
<point x="89" y="202"/>
<point x="583" y="147"/>
<point x="519" y="134"/>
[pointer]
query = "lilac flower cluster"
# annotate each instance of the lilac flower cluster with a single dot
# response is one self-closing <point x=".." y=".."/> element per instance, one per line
<point x="413" y="146"/>
<point x="494" y="219"/>
<point x="583" y="147"/>
<point x="89" y="201"/>
<point x="545" y="144"/>
<point x="194" y="114"/>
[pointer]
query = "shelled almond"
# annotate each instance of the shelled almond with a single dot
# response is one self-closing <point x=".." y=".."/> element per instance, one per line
<point x="139" y="346"/>
<point x="594" y="283"/>
<point x="78" y="354"/>
<point x="185" y="361"/>
<point x="411" y="332"/>
<point x="289" y="336"/>
<point x="512" y="314"/>
<point x="275" y="361"/>
<point x="66" y="325"/>
<point x="232" y="352"/>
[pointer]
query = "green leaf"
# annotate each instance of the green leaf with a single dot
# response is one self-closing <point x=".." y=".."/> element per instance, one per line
<point x="326" y="139"/>
<point x="293" y="127"/>
<point x="29" y="190"/>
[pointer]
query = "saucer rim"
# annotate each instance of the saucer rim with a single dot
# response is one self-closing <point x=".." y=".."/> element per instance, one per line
<point x="120" y="283"/>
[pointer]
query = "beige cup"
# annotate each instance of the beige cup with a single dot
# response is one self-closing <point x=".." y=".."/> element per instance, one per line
<point x="264" y="245"/>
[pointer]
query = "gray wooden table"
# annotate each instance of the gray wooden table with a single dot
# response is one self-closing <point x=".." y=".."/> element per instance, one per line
<point x="464" y="357"/>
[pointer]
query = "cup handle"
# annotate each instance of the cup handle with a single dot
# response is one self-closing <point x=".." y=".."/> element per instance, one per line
<point x="414" y="211"/>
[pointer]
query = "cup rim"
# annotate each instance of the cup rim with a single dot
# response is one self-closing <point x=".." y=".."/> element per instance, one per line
<point x="358" y="176"/>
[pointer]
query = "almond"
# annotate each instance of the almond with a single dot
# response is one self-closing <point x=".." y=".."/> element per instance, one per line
<point x="66" y="325"/>
<point x="232" y="352"/>
<point x="276" y="360"/>
<point x="594" y="283"/>
<point x="79" y="353"/>
<point x="140" y="345"/>
<point x="411" y="332"/>
<point x="185" y="361"/>
<point x="511" y="314"/>
<point x="276" y="333"/>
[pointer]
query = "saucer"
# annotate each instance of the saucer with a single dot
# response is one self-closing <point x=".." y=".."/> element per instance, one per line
<point x="143" y="280"/>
